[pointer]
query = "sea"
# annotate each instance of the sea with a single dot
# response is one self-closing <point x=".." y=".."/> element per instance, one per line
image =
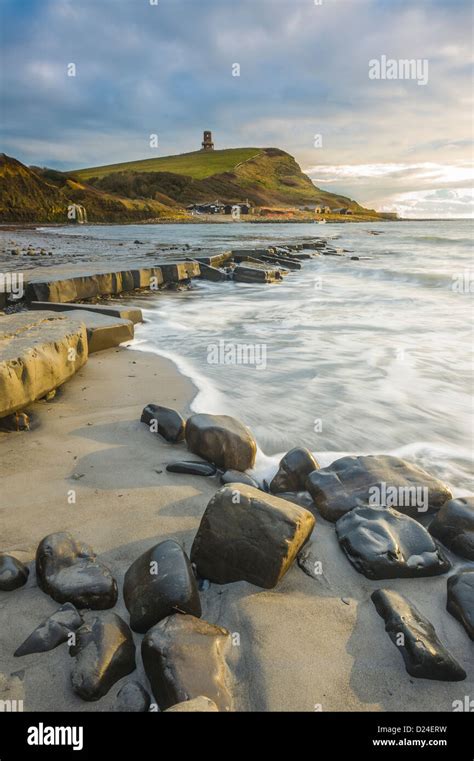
<point x="345" y="356"/>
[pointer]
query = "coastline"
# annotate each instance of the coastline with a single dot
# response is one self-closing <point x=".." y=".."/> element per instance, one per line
<point x="305" y="644"/>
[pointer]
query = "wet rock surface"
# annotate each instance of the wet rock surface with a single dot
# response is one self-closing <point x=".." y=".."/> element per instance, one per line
<point x="382" y="543"/>
<point x="53" y="631"/>
<point x="132" y="698"/>
<point x="69" y="571"/>
<point x="301" y="498"/>
<point x="104" y="653"/>
<point x="237" y="477"/>
<point x="13" y="573"/>
<point x="352" y="481"/>
<point x="159" y="583"/>
<point x="309" y="561"/>
<point x="192" y="468"/>
<point x="293" y="470"/>
<point x="200" y="704"/>
<point x="424" y="655"/>
<point x="222" y="440"/>
<point x="165" y="421"/>
<point x="247" y="535"/>
<point x="461" y="599"/>
<point x="453" y="525"/>
<point x="185" y="658"/>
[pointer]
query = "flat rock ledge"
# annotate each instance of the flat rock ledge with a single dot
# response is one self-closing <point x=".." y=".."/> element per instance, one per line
<point x="39" y="351"/>
<point x="424" y="655"/>
<point x="103" y="331"/>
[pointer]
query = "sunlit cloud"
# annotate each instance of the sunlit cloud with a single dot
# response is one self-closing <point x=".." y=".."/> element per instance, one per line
<point x="418" y="189"/>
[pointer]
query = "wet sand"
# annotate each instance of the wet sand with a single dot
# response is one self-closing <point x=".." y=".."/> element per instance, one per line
<point x="300" y="646"/>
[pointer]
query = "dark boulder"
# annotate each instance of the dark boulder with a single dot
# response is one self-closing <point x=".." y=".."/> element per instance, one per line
<point x="192" y="468"/>
<point x="221" y="439"/>
<point x="375" y="480"/>
<point x="384" y="544"/>
<point x="160" y="582"/>
<point x="69" y="571"/>
<point x="237" y="477"/>
<point x="132" y="698"/>
<point x="247" y="535"/>
<point x="454" y="526"/>
<point x="184" y="658"/>
<point x="104" y="653"/>
<point x="13" y="573"/>
<point x="165" y="421"/>
<point x="52" y="632"/>
<point x="301" y="498"/>
<point x="461" y="599"/>
<point x="424" y="655"/>
<point x="293" y="471"/>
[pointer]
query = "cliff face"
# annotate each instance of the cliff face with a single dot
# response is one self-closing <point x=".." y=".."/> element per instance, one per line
<point x="161" y="188"/>
<point x="35" y="195"/>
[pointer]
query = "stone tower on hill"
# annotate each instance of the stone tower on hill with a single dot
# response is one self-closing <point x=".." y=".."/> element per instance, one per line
<point x="207" y="144"/>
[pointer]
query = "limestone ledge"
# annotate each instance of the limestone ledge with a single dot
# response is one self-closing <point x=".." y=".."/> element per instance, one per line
<point x="39" y="351"/>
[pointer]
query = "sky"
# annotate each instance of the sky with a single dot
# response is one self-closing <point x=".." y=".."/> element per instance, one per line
<point x="307" y="83"/>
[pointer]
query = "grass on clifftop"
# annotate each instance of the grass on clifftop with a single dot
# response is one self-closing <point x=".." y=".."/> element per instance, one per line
<point x="198" y="164"/>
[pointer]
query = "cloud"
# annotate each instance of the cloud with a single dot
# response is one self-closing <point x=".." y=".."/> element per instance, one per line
<point x="167" y="69"/>
<point x="409" y="189"/>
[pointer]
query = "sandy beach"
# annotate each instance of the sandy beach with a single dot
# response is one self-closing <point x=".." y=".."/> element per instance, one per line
<point x="306" y="645"/>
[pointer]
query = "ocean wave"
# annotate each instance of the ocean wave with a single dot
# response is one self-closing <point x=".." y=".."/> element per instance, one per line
<point x="430" y="278"/>
<point x="442" y="239"/>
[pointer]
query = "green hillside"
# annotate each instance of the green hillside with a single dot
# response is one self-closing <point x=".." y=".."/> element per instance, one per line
<point x="266" y="177"/>
<point x="163" y="188"/>
<point x="198" y="164"/>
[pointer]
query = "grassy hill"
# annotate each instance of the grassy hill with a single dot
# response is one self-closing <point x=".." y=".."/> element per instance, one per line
<point x="264" y="176"/>
<point x="198" y="164"/>
<point x="42" y="195"/>
<point x="161" y="188"/>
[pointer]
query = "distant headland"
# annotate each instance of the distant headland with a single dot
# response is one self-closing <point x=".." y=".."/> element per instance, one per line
<point x="209" y="184"/>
